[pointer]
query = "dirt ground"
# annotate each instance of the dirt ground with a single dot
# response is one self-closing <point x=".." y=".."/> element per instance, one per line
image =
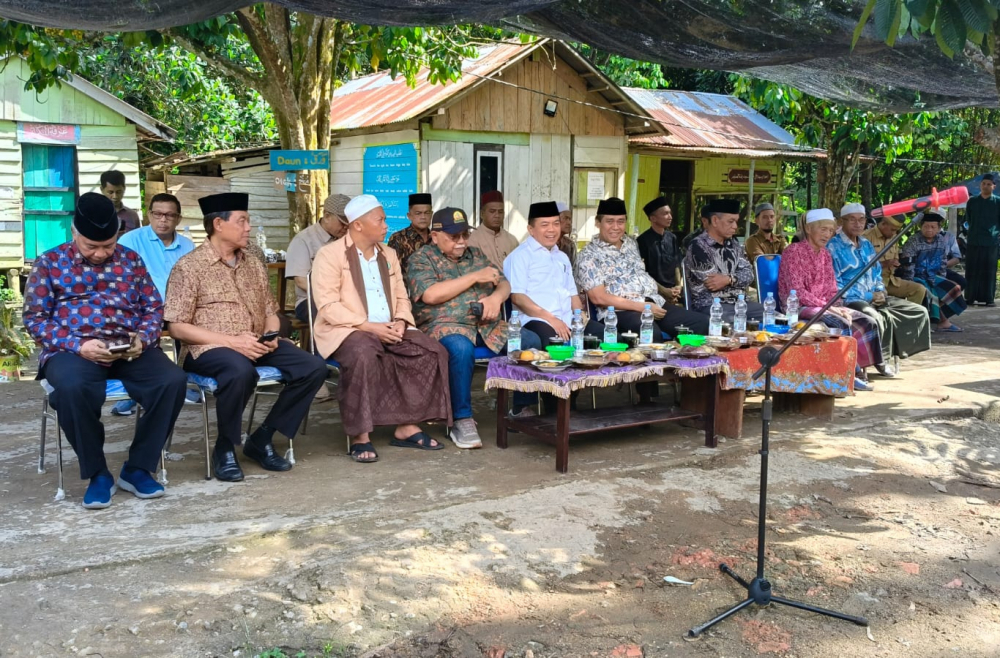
<point x="880" y="513"/>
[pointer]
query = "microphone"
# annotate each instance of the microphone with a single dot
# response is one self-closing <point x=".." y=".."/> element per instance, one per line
<point x="950" y="197"/>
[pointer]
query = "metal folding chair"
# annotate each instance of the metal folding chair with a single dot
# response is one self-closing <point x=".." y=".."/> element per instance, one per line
<point x="114" y="392"/>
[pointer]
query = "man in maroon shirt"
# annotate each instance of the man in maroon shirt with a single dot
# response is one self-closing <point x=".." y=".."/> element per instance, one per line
<point x="113" y="187"/>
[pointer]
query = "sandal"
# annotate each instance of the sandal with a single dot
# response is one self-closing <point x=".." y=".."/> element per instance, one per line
<point x="420" y="440"/>
<point x="953" y="329"/>
<point x="357" y="449"/>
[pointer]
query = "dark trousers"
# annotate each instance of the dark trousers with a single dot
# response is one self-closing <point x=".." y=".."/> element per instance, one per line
<point x="955" y="277"/>
<point x="676" y="317"/>
<point x="236" y="375"/>
<point x="755" y="311"/>
<point x="150" y="379"/>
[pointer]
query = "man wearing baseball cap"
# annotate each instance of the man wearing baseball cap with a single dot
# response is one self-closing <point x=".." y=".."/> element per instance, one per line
<point x="458" y="298"/>
<point x="307" y="243"/>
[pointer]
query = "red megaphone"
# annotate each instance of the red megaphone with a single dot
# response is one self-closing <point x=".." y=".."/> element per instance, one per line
<point x="950" y="197"/>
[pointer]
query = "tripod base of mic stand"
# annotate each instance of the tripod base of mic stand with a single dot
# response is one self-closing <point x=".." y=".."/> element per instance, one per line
<point x="759" y="592"/>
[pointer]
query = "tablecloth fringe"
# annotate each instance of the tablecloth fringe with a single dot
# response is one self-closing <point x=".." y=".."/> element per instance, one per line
<point x="599" y="381"/>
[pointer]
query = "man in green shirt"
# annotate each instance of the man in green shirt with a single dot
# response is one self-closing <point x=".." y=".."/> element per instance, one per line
<point x="983" y="215"/>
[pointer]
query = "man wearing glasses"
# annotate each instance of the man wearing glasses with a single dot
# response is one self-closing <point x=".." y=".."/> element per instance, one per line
<point x="160" y="246"/>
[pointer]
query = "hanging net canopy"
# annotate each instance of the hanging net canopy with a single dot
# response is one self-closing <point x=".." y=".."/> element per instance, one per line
<point x="803" y="43"/>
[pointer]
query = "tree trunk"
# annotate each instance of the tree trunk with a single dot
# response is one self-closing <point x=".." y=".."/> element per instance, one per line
<point x="867" y="191"/>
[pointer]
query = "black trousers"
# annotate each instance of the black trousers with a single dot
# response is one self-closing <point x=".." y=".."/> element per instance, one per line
<point x="236" y="375"/>
<point x="755" y="311"/>
<point x="151" y="379"/>
<point x="676" y="316"/>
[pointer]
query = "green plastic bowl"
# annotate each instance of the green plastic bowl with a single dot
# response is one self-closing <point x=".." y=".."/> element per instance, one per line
<point x="560" y="352"/>
<point x="691" y="339"/>
<point x="614" y="347"/>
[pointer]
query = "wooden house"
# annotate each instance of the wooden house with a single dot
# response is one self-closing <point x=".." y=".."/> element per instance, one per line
<point x="53" y="147"/>
<point x="536" y="121"/>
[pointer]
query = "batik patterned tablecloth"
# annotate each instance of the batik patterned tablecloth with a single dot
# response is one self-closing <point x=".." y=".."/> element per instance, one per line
<point x="501" y="373"/>
<point x="825" y="368"/>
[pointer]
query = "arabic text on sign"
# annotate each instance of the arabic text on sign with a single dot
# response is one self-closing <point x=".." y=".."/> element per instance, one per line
<point x="742" y="176"/>
<point x="296" y="160"/>
<point x="47" y="133"/>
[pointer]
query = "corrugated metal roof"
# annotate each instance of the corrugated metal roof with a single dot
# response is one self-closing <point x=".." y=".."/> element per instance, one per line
<point x="712" y="121"/>
<point x="378" y="99"/>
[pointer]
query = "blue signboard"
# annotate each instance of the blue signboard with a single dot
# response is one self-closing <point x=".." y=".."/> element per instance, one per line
<point x="299" y="160"/>
<point x="391" y="175"/>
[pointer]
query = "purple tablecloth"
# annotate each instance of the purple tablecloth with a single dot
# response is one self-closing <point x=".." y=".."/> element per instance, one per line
<point x="501" y="373"/>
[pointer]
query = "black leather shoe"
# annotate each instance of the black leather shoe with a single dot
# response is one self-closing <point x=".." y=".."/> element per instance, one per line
<point x="268" y="459"/>
<point x="225" y="466"/>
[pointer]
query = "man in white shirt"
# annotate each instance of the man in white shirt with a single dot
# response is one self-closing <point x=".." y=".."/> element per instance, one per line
<point x="541" y="277"/>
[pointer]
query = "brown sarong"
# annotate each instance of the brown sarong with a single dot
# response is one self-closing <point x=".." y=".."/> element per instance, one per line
<point x="392" y="384"/>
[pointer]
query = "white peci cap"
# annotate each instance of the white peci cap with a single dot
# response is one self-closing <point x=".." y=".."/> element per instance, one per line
<point x="819" y="214"/>
<point x="360" y="205"/>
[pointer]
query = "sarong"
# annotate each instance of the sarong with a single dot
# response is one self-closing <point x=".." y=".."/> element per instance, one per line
<point x="905" y="328"/>
<point x="862" y="328"/>
<point x="981" y="274"/>
<point x="392" y="384"/>
<point x="944" y="298"/>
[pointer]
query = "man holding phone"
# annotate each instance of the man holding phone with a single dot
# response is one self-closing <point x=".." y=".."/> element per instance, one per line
<point x="458" y="298"/>
<point x="219" y="304"/>
<point x="93" y="308"/>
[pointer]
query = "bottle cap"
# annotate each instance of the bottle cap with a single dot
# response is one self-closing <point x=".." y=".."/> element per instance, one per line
<point x="717" y="300"/>
<point x="740" y="297"/>
<point x="792" y="292"/>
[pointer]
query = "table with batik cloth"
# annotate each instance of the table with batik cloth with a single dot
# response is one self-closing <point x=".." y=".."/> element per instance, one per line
<point x="807" y="380"/>
<point x="504" y="377"/>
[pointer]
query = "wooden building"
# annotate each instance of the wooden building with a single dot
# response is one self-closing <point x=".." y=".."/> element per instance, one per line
<point x="713" y="146"/>
<point x="537" y="121"/>
<point x="53" y="147"/>
<point x="240" y="170"/>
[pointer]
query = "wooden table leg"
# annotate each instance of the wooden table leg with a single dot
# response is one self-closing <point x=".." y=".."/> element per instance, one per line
<point x="807" y="404"/>
<point x="501" y="418"/>
<point x="562" y="435"/>
<point x="697" y="393"/>
<point x="712" y="408"/>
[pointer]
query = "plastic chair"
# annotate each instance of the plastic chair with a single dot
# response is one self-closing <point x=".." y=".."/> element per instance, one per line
<point x="114" y="391"/>
<point x="766" y="268"/>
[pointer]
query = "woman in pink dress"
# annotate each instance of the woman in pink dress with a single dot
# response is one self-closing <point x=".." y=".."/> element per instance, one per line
<point x="807" y="268"/>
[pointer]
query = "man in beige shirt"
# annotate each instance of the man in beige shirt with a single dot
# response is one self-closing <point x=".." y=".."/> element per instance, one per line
<point x="490" y="237"/>
<point x="879" y="235"/>
<point x="390" y="373"/>
<point x="307" y="243"/>
<point x="765" y="241"/>
<point x="219" y="304"/>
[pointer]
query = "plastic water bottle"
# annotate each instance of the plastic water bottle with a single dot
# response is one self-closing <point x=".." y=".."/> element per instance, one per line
<point x="740" y="317"/>
<point x="514" y="332"/>
<point x="792" y="308"/>
<point x="769" y="306"/>
<point x="576" y="330"/>
<point x="715" y="318"/>
<point x="187" y="233"/>
<point x="261" y="238"/>
<point x="646" y="327"/>
<point x="611" y="326"/>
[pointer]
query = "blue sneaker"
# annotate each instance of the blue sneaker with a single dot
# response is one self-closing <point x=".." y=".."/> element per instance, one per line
<point x="192" y="397"/>
<point x="99" y="491"/>
<point x="123" y="408"/>
<point x="139" y="482"/>
<point x="862" y="385"/>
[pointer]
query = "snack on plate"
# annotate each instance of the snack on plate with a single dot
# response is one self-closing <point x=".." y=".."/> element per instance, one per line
<point x="527" y="356"/>
<point x="697" y="351"/>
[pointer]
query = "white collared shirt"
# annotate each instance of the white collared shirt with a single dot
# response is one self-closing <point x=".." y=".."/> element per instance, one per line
<point x="545" y="276"/>
<point x="378" y="305"/>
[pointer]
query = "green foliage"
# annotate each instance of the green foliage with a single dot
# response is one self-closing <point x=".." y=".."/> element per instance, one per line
<point x="13" y="338"/>
<point x="952" y="23"/>
<point x="626" y="72"/>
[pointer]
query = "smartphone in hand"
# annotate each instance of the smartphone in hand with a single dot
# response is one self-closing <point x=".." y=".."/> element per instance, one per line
<point x="268" y="337"/>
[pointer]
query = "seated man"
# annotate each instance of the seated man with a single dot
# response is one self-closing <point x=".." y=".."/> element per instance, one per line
<point x="611" y="272"/>
<point x="390" y="373"/>
<point x="924" y="259"/>
<point x="903" y="327"/>
<point x="491" y="238"/>
<point x="446" y="280"/>
<point x="659" y="251"/>
<point x="953" y="254"/>
<point x="409" y="241"/>
<point x="765" y="240"/>
<point x="84" y="299"/>
<point x="702" y="225"/>
<point x="113" y="187"/>
<point x="219" y="303"/>
<point x="304" y="246"/>
<point x="160" y="246"/>
<point x="567" y="244"/>
<point x="879" y="235"/>
<point x="717" y="266"/>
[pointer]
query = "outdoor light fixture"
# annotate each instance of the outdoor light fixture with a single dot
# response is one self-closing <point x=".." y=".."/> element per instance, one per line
<point x="550" y="108"/>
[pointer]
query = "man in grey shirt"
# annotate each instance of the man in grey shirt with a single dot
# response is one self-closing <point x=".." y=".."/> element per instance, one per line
<point x="304" y="246"/>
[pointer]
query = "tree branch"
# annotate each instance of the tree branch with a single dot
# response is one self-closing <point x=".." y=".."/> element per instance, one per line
<point x="221" y="63"/>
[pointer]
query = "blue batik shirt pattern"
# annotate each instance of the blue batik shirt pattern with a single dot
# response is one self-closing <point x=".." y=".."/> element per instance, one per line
<point x="848" y="260"/>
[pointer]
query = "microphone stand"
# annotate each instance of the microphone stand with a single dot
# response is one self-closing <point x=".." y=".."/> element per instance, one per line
<point x="759" y="589"/>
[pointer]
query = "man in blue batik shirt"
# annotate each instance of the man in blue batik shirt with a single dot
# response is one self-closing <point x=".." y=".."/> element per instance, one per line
<point x="84" y="300"/>
<point x="160" y="246"/>
<point x="903" y="327"/>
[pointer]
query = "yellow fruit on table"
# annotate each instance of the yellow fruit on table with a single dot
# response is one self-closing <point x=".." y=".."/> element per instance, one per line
<point x="526" y="355"/>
